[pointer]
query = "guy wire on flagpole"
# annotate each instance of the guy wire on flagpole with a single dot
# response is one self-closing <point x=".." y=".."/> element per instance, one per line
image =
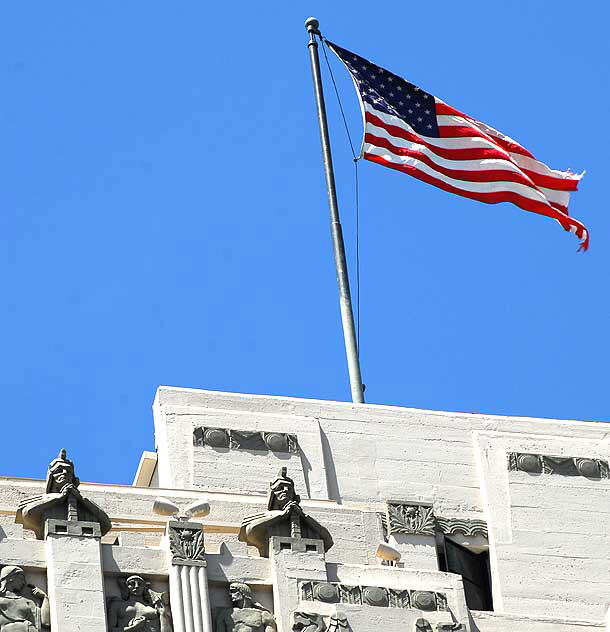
<point x="345" y="301"/>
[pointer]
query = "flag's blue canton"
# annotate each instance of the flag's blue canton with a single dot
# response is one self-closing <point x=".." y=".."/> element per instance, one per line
<point x="390" y="93"/>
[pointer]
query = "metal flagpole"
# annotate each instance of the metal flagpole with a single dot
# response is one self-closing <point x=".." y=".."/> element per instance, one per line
<point x="347" y="315"/>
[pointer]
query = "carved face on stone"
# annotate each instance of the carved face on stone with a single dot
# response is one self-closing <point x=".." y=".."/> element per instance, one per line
<point x="284" y="493"/>
<point x="281" y="492"/>
<point x="187" y="535"/>
<point x="12" y="578"/>
<point x="62" y="474"/>
<point x="135" y="585"/>
<point x="241" y="595"/>
<point x="16" y="582"/>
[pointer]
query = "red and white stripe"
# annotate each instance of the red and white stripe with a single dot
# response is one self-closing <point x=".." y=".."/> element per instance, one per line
<point x="473" y="160"/>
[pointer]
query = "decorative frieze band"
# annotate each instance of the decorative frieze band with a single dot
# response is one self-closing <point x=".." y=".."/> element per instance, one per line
<point x="373" y="596"/>
<point x="245" y="440"/>
<point x="565" y="466"/>
<point x="414" y="519"/>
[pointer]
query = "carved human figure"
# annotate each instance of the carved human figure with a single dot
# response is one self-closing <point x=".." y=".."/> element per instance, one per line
<point x="139" y="608"/>
<point x="245" y="615"/>
<point x="284" y="516"/>
<point x="61" y="500"/>
<point x="23" y="607"/>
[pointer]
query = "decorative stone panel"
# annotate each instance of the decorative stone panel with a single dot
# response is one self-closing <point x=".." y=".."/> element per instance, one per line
<point x="245" y="440"/>
<point x="186" y="543"/>
<point x="410" y="518"/>
<point x="373" y="596"/>
<point x="562" y="465"/>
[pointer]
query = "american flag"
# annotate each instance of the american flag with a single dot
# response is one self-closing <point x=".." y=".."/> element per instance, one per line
<point x="412" y="131"/>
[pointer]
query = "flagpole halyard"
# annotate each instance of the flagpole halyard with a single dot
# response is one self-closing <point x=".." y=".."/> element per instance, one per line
<point x="345" y="300"/>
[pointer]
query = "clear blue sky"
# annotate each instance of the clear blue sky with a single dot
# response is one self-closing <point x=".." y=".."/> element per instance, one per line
<point x="164" y="218"/>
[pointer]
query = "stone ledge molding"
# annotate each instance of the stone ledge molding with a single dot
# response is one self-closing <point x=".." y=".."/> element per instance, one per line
<point x="378" y="596"/>
<point x="562" y="465"/>
<point x="260" y="441"/>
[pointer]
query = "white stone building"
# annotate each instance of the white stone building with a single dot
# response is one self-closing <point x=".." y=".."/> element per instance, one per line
<point x="408" y="520"/>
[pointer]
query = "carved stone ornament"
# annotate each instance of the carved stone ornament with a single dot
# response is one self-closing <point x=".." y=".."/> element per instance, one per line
<point x="423" y="600"/>
<point x="350" y="594"/>
<point x="62" y="508"/>
<point x="186" y="543"/>
<point x="469" y="527"/>
<point x="284" y="517"/>
<point x="329" y="593"/>
<point x="244" y="615"/>
<point x="377" y="596"/>
<point x="313" y="622"/>
<point x="308" y="622"/>
<point x="562" y="465"/>
<point x="410" y="518"/>
<point x="399" y="598"/>
<point x="245" y="440"/>
<point x="422" y="625"/>
<point x="338" y="623"/>
<point x="22" y="605"/>
<point x="138" y="604"/>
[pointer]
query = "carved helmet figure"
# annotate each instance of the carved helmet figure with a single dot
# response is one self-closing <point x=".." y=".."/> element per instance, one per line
<point x="281" y="492"/>
<point x="61" y="500"/>
<point x="284" y="517"/>
<point x="60" y="474"/>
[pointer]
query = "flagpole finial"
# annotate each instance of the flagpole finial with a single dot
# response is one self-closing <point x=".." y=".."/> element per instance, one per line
<point x="312" y="24"/>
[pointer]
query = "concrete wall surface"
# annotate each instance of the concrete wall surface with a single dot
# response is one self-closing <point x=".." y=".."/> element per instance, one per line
<point x="548" y="533"/>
